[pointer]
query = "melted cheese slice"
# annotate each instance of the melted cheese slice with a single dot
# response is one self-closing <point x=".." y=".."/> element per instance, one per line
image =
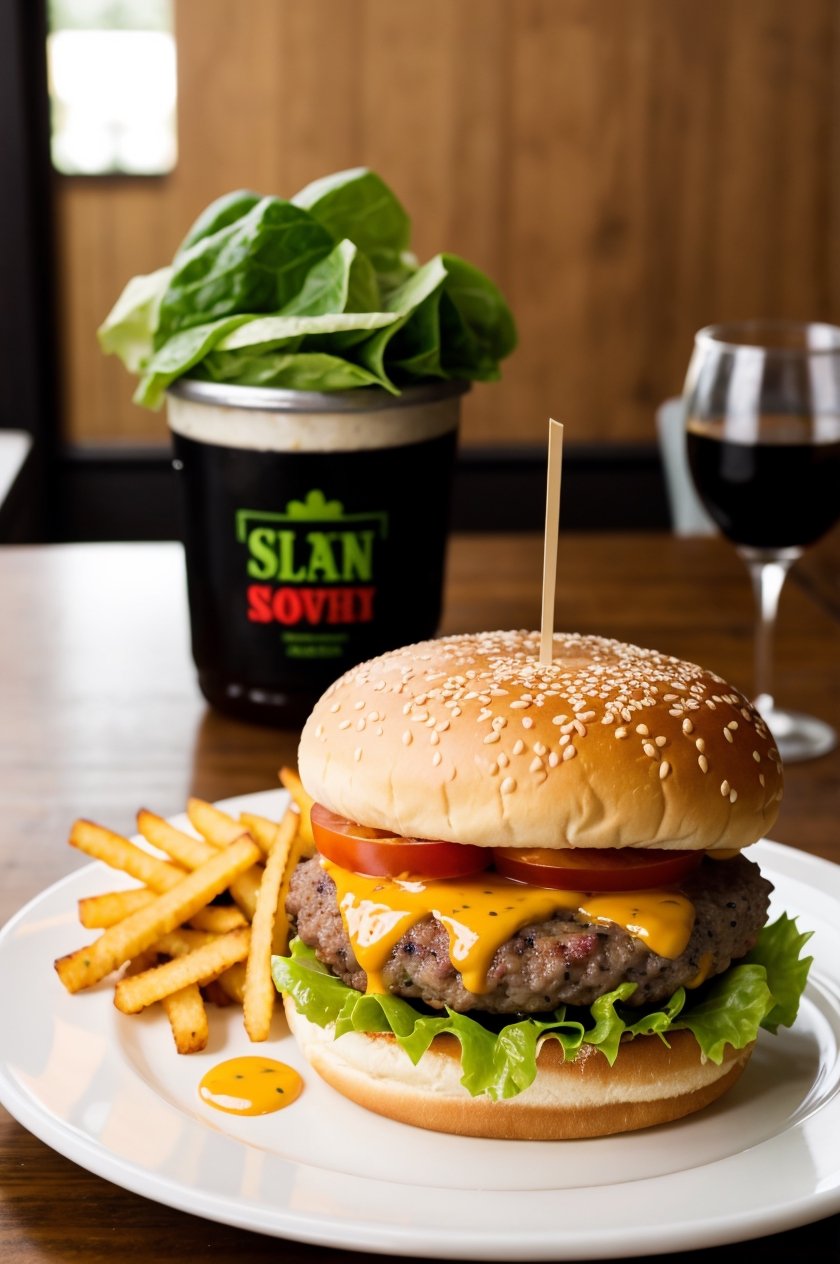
<point x="483" y="912"/>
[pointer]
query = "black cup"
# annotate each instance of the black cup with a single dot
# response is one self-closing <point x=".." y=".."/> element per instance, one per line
<point x="315" y="530"/>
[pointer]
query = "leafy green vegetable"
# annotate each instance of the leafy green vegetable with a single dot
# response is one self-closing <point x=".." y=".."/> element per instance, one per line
<point x="251" y="270"/>
<point x="763" y="991"/>
<point x="257" y="264"/>
<point x="225" y="210"/>
<point x="358" y="204"/>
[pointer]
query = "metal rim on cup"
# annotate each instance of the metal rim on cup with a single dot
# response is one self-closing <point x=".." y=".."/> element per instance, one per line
<point x="276" y="399"/>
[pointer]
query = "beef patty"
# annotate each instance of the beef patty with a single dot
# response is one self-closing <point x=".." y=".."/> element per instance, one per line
<point x="561" y="961"/>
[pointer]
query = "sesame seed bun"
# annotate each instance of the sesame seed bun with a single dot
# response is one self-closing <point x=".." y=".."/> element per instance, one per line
<point x="649" y="1083"/>
<point x="469" y="739"/>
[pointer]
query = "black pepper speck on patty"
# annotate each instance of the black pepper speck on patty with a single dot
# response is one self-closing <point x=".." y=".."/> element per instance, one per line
<point x="561" y="961"/>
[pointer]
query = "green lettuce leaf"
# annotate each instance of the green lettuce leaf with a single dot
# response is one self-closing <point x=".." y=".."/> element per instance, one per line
<point x="252" y="271"/>
<point x="500" y="1060"/>
<point x="256" y="264"/>
<point x="292" y="370"/>
<point x="129" y="328"/>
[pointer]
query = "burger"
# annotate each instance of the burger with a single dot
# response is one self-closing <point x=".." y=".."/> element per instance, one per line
<point x="529" y="914"/>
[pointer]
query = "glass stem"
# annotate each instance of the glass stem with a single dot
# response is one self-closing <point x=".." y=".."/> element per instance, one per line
<point x="768" y="572"/>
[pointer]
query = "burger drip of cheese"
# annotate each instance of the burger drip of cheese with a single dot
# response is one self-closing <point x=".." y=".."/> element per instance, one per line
<point x="502" y="839"/>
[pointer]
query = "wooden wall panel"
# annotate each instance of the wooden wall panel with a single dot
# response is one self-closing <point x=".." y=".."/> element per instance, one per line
<point x="628" y="170"/>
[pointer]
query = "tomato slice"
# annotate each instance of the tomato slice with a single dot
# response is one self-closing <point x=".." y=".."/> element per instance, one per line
<point x="382" y="855"/>
<point x="595" y="869"/>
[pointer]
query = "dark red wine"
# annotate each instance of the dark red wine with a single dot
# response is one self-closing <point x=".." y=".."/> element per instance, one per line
<point x="774" y="495"/>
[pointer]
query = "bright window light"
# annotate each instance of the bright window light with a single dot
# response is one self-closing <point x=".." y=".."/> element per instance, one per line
<point x="113" y="87"/>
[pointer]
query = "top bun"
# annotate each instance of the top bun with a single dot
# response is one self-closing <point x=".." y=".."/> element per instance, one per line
<point x="468" y="738"/>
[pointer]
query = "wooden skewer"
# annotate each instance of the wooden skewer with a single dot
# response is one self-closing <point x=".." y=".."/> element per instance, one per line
<point x="552" y="526"/>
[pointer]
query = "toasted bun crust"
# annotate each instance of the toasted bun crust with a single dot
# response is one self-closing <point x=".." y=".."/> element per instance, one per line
<point x="468" y="738"/>
<point x="649" y="1084"/>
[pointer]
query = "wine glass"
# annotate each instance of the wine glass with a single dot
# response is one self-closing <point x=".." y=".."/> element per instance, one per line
<point x="762" y="404"/>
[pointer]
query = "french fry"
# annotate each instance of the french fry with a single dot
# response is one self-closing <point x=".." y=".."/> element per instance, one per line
<point x="244" y="889"/>
<point x="291" y="782"/>
<point x="119" y="853"/>
<point x="212" y="823"/>
<point x="178" y="942"/>
<point x="199" y="966"/>
<point x="219" y="918"/>
<point x="98" y="912"/>
<point x="216" y="995"/>
<point x="183" y="848"/>
<point x="232" y="982"/>
<point x="193" y="852"/>
<point x="87" y="966"/>
<point x="258" y="1001"/>
<point x="261" y="828"/>
<point x="301" y="849"/>
<point x="187" y="1018"/>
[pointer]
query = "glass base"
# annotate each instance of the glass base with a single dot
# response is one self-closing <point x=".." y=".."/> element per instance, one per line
<point x="797" y="736"/>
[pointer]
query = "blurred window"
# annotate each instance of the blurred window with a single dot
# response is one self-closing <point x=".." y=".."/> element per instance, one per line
<point x="113" y="86"/>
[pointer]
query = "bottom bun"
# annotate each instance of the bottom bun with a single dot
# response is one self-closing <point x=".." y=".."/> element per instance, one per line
<point x="650" y="1083"/>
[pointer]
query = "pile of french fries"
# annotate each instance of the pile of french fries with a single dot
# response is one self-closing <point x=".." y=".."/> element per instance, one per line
<point x="202" y="925"/>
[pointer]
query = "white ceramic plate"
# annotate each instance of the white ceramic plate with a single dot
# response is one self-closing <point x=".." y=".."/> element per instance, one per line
<point x="110" y="1093"/>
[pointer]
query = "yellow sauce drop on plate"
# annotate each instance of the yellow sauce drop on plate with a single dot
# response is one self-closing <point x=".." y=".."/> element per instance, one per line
<point x="250" y="1086"/>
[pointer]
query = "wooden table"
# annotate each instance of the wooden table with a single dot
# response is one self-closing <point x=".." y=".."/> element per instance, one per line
<point x="101" y="715"/>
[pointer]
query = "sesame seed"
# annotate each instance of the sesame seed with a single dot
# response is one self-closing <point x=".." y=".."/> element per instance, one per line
<point x="527" y="722"/>
<point x="761" y="779"/>
<point x="622" y="732"/>
<point x="710" y="705"/>
<point x="319" y="730"/>
<point x="756" y="757"/>
<point x="565" y="739"/>
<point x="434" y="738"/>
<point x="503" y="760"/>
<point x="360" y="725"/>
<point x="508" y="785"/>
<point x="553" y="759"/>
<point x="733" y="795"/>
<point x="492" y="737"/>
<point x="660" y="741"/>
<point x="569" y="753"/>
<point x="586" y="716"/>
<point x="664" y="769"/>
<point x="676" y="712"/>
<point x="442" y="726"/>
<point x="357" y="754"/>
<point x="336" y="706"/>
<point x="519" y="705"/>
<point x="499" y="722"/>
<point x="650" y="750"/>
<point x="345" y="724"/>
<point x="700" y="744"/>
<point x="358" y="706"/>
<point x="540" y="748"/>
<point x="379" y="730"/>
<point x="733" y="724"/>
<point x="725" y="788"/>
<point x="407" y="738"/>
<point x="436" y="758"/>
<point x="703" y="762"/>
<point x="518" y="746"/>
<point x="535" y="765"/>
<point x="643" y="730"/>
<point x="687" y="726"/>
